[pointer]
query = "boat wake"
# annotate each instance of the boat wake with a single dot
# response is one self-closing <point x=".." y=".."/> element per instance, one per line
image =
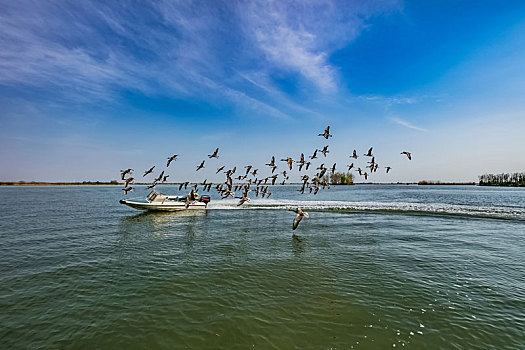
<point x="510" y="213"/>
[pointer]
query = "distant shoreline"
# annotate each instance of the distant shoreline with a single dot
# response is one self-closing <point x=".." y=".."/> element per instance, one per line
<point x="431" y="183"/>
<point x="42" y="183"/>
<point x="116" y="183"/>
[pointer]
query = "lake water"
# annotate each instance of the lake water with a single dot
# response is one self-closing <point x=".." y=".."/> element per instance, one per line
<point x="420" y="267"/>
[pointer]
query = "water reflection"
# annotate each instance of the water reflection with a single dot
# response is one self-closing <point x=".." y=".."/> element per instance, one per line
<point x="298" y="246"/>
<point x="160" y="219"/>
<point x="158" y="232"/>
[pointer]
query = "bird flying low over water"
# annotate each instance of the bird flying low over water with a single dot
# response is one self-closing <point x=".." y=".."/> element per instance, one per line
<point x="242" y="200"/>
<point x="127" y="189"/>
<point x="214" y="154"/>
<point x="326" y="133"/>
<point x="199" y="167"/>
<point x="408" y="154"/>
<point x="153" y="184"/>
<point x="300" y="214"/>
<point x="149" y="171"/>
<point x="124" y="172"/>
<point x="171" y="159"/>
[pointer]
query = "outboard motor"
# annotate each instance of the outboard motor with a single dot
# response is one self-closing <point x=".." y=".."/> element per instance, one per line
<point x="205" y="199"/>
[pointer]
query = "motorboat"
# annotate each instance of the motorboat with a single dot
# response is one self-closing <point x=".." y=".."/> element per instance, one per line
<point x="158" y="201"/>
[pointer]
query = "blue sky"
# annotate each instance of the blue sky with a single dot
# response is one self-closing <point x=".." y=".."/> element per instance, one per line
<point x="89" y="87"/>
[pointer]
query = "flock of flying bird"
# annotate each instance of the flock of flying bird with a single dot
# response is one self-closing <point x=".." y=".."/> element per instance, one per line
<point x="248" y="180"/>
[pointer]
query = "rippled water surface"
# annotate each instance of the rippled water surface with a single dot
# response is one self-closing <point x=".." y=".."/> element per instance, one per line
<point x="376" y="267"/>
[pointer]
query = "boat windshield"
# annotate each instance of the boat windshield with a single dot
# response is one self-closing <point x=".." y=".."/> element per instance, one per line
<point x="151" y="197"/>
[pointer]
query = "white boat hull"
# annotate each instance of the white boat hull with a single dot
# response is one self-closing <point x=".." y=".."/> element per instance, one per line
<point x="162" y="206"/>
<point x="161" y="202"/>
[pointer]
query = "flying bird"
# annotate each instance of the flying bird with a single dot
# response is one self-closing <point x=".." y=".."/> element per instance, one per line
<point x="314" y="155"/>
<point x="127" y="189"/>
<point x="219" y="170"/>
<point x="272" y="163"/>
<point x="128" y="181"/>
<point x="326" y="133"/>
<point x="171" y="159"/>
<point x="243" y="199"/>
<point x="124" y="172"/>
<point x="289" y="161"/>
<point x="149" y="171"/>
<point x="214" y="154"/>
<point x="325" y="150"/>
<point x="300" y="214"/>
<point x="388" y="168"/>
<point x="354" y="155"/>
<point x="408" y="154"/>
<point x="158" y="179"/>
<point x="369" y="154"/>
<point x="199" y="167"/>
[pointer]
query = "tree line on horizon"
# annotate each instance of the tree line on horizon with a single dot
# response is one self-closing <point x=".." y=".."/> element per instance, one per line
<point x="339" y="178"/>
<point x="511" y="180"/>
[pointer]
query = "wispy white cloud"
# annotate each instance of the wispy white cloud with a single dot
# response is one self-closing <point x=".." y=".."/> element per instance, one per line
<point x="263" y="82"/>
<point x="390" y="100"/>
<point x="86" y="52"/>
<point x="406" y="124"/>
<point x="300" y="36"/>
<point x="291" y="49"/>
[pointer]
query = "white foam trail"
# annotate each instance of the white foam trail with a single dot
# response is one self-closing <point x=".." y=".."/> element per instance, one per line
<point x="430" y="208"/>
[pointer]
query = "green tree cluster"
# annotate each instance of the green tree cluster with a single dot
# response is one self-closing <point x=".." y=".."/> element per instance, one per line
<point x="339" y="179"/>
<point x="511" y="180"/>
